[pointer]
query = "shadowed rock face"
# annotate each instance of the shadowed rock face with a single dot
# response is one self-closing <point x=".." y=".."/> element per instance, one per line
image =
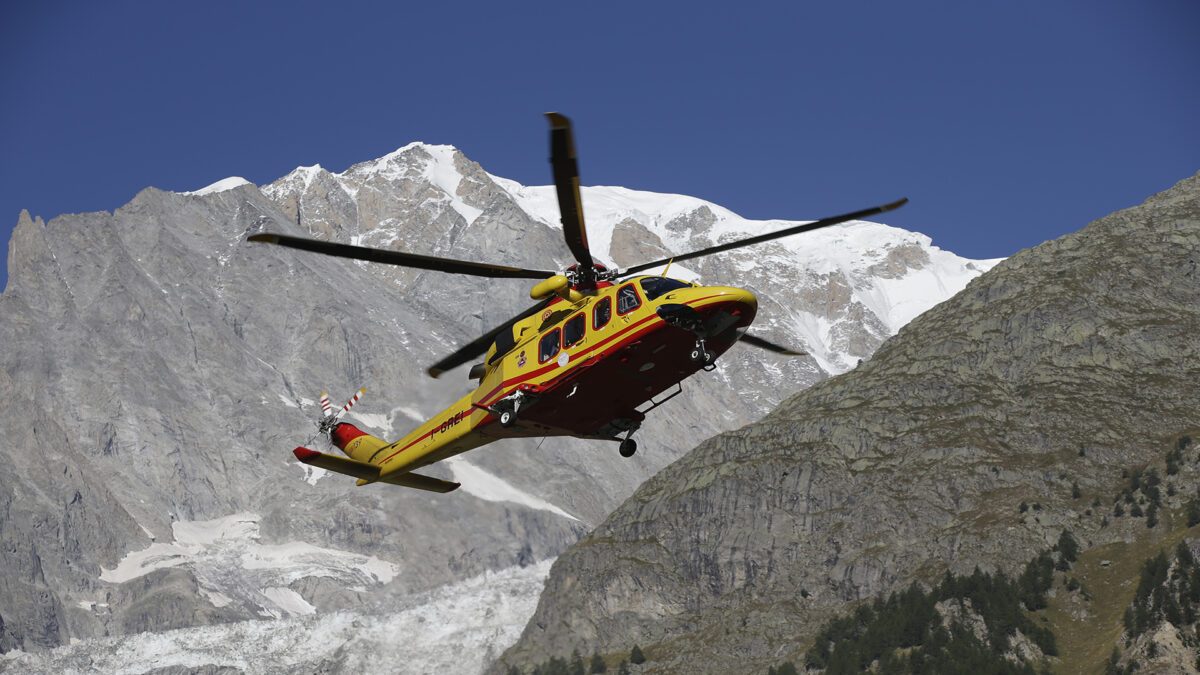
<point x="1065" y="363"/>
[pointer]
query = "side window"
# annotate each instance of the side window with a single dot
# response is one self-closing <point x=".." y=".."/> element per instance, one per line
<point x="627" y="299"/>
<point x="548" y="347"/>
<point x="601" y="313"/>
<point x="573" y="330"/>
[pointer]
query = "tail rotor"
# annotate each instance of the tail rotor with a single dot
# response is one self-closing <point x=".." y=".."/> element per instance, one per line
<point x="329" y="419"/>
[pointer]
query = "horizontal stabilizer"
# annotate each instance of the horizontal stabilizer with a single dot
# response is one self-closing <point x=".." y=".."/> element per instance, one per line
<point x="416" y="480"/>
<point x="369" y="473"/>
<point x="344" y="465"/>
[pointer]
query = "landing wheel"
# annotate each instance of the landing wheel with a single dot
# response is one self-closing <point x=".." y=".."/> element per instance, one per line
<point x="507" y="419"/>
<point x="628" y="447"/>
<point x="702" y="356"/>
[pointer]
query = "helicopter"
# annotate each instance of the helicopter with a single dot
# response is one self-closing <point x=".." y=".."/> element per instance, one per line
<point x="598" y="350"/>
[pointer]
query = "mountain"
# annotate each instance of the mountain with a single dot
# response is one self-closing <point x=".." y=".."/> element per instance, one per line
<point x="158" y="370"/>
<point x="973" y="438"/>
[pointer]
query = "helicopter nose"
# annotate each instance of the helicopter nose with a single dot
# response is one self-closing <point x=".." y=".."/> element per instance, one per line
<point x="742" y="296"/>
<point x="736" y="298"/>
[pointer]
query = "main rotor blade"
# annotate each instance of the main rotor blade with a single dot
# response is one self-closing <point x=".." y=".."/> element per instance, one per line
<point x="424" y="262"/>
<point x="480" y="345"/>
<point x="750" y="241"/>
<point x="769" y="346"/>
<point x="566" y="184"/>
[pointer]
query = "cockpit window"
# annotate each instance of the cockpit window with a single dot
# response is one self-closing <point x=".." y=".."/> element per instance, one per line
<point x="657" y="286"/>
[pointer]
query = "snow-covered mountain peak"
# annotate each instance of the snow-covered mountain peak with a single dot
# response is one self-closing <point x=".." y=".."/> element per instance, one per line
<point x="431" y="160"/>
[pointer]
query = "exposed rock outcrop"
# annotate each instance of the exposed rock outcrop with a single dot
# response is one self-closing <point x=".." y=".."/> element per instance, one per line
<point x="1066" y="363"/>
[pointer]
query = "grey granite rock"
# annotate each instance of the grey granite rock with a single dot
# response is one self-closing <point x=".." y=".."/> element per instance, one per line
<point x="1067" y="362"/>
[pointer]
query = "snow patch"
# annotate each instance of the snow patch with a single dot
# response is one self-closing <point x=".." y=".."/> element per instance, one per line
<point x="230" y="564"/>
<point x="296" y="560"/>
<point x="312" y="474"/>
<point x="374" y="420"/>
<point x="220" y="186"/>
<point x="489" y="487"/>
<point x="442" y="173"/>
<point x="289" y="601"/>
<point x="411" y="413"/>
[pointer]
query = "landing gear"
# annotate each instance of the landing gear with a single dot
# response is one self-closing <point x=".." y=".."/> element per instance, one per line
<point x="628" y="447"/>
<point x="701" y="355"/>
<point x="506" y="409"/>
<point x="687" y="318"/>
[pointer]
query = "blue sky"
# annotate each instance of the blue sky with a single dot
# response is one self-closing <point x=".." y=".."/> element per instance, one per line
<point x="1006" y="124"/>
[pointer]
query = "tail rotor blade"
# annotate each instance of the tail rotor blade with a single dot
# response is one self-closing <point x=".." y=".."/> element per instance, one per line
<point x="353" y="400"/>
<point x="326" y="406"/>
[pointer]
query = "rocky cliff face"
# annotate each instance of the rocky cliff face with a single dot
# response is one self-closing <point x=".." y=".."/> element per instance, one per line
<point x="1065" y="364"/>
<point x="157" y="370"/>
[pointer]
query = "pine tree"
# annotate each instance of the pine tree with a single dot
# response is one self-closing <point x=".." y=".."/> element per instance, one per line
<point x="636" y="657"/>
<point x="1067" y="547"/>
<point x="598" y="665"/>
<point x="1113" y="667"/>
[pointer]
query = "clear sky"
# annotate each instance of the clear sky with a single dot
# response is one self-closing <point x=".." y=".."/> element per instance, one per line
<point x="1005" y="123"/>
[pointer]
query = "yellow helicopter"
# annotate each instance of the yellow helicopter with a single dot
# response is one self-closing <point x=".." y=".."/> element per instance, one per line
<point x="583" y="361"/>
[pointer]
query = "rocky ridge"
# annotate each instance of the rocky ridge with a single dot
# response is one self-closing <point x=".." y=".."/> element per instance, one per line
<point x="1064" y="365"/>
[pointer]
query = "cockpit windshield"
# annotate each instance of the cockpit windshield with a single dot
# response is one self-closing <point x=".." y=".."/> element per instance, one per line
<point x="653" y="287"/>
